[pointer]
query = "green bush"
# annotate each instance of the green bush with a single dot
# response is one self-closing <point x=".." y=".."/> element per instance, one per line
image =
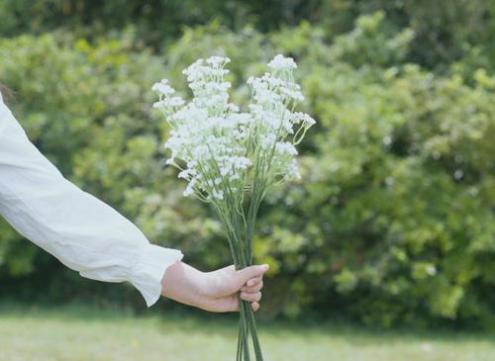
<point x="393" y="221"/>
<point x="445" y="30"/>
<point x="155" y="21"/>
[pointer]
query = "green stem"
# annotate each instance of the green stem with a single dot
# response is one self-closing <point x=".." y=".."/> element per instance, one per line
<point x="239" y="234"/>
<point x="244" y="325"/>
<point x="239" y="345"/>
<point x="254" y="335"/>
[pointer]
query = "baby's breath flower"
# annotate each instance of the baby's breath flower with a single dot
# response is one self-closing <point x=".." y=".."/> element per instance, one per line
<point x="286" y="148"/>
<point x="163" y="88"/>
<point x="280" y="62"/>
<point x="223" y="148"/>
<point x="304" y="119"/>
<point x="169" y="102"/>
<point x="230" y="157"/>
<point x="217" y="61"/>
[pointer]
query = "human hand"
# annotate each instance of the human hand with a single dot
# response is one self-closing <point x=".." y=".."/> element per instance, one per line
<point x="216" y="291"/>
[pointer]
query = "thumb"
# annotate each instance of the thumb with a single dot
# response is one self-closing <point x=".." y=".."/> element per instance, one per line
<point x="247" y="273"/>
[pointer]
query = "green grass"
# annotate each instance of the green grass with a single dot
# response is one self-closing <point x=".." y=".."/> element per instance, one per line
<point x="92" y="335"/>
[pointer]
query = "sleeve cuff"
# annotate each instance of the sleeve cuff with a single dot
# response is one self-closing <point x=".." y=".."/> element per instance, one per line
<point x="149" y="269"/>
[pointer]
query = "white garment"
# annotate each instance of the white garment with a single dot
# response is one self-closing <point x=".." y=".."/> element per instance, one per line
<point x="84" y="233"/>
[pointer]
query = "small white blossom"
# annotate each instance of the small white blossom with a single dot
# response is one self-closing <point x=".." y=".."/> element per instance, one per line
<point x="189" y="189"/>
<point x="217" y="61"/>
<point x="304" y="119"/>
<point x="162" y="87"/>
<point x="280" y="62"/>
<point x="169" y="102"/>
<point x="286" y="148"/>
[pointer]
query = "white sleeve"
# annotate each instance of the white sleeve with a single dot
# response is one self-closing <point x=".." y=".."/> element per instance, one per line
<point x="84" y="233"/>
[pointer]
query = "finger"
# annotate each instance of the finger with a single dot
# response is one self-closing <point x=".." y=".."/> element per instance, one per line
<point x="255" y="306"/>
<point x="247" y="273"/>
<point x="255" y="288"/>
<point x="251" y="297"/>
<point x="254" y="281"/>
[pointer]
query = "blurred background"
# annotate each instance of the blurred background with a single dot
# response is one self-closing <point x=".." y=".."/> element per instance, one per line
<point x="391" y="228"/>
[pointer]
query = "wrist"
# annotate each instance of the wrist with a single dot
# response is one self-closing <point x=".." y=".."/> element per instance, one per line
<point x="184" y="284"/>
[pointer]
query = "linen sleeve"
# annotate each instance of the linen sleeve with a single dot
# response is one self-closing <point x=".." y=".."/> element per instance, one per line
<point x="84" y="233"/>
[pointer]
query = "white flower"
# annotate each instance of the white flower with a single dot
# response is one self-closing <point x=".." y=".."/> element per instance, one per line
<point x="280" y="62"/>
<point x="169" y="103"/>
<point x="189" y="189"/>
<point x="217" y="61"/>
<point x="304" y="119"/>
<point x="217" y="194"/>
<point x="223" y="148"/>
<point x="162" y="87"/>
<point x="286" y="148"/>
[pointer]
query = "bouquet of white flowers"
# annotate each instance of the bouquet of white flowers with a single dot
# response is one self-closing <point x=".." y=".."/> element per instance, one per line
<point x="231" y="159"/>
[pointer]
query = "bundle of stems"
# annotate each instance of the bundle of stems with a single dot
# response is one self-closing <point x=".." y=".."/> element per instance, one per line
<point x="241" y="250"/>
<point x="238" y="217"/>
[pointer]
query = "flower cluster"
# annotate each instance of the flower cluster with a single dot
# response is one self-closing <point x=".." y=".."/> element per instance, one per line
<point x="221" y="151"/>
<point x="231" y="158"/>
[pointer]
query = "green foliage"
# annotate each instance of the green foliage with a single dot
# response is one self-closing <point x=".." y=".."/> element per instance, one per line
<point x="403" y="183"/>
<point x="154" y="20"/>
<point x="445" y="30"/>
<point x="393" y="221"/>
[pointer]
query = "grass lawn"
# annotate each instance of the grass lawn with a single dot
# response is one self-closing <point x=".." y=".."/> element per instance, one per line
<point x="92" y="335"/>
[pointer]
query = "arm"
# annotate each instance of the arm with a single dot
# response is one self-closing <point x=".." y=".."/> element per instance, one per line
<point x="84" y="233"/>
<point x="92" y="238"/>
